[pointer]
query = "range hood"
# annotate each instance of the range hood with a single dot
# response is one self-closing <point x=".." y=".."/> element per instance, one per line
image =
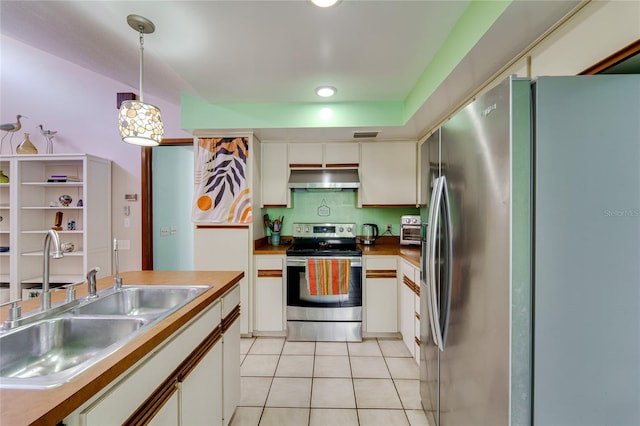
<point x="324" y="179"/>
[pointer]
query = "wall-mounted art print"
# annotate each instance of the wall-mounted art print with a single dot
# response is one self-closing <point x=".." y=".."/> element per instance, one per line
<point x="221" y="193"/>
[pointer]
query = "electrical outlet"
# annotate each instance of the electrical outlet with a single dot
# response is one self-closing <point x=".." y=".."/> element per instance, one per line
<point x="388" y="228"/>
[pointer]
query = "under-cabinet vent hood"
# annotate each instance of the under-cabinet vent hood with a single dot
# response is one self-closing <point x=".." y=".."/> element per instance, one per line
<point x="324" y="179"/>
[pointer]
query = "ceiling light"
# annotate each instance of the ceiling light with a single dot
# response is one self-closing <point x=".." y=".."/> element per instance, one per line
<point x="324" y="3"/>
<point x="140" y="123"/>
<point x="326" y="91"/>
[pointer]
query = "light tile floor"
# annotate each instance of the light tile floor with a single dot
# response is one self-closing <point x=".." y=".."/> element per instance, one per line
<point x="282" y="383"/>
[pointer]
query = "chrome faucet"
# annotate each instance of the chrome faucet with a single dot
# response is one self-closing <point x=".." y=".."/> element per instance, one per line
<point x="91" y="279"/>
<point x="117" y="280"/>
<point x="52" y="235"/>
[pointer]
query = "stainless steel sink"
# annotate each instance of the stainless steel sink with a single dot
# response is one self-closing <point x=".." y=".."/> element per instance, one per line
<point x="52" y="351"/>
<point x="143" y="301"/>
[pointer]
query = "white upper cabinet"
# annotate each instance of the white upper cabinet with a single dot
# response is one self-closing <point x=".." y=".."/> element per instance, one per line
<point x="331" y="154"/>
<point x="388" y="174"/>
<point x="342" y="154"/>
<point x="275" y="173"/>
<point x="305" y="154"/>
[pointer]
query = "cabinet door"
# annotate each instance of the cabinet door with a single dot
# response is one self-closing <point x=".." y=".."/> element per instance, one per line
<point x="275" y="173"/>
<point x="201" y="391"/>
<point x="342" y="154"/>
<point x="381" y="294"/>
<point x="269" y="293"/>
<point x="231" y="371"/>
<point x="230" y="358"/>
<point x="388" y="173"/>
<point x="168" y="414"/>
<point x="226" y="249"/>
<point x="408" y="283"/>
<point x="306" y="154"/>
<point x="407" y="317"/>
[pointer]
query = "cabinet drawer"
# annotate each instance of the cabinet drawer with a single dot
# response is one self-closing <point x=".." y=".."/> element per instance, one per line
<point x="381" y="263"/>
<point x="268" y="263"/>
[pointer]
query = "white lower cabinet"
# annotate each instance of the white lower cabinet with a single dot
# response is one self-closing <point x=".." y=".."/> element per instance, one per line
<point x="192" y="379"/>
<point x="269" y="287"/>
<point x="381" y="295"/>
<point x="230" y="357"/>
<point x="407" y="317"/>
<point x="410" y="307"/>
<point x="168" y="414"/>
<point x="201" y="391"/>
<point x="225" y="249"/>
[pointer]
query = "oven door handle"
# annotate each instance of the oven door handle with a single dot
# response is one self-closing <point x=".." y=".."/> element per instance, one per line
<point x="302" y="261"/>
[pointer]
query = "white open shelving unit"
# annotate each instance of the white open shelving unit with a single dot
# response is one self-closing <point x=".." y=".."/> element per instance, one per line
<point x="33" y="203"/>
<point x="5" y="231"/>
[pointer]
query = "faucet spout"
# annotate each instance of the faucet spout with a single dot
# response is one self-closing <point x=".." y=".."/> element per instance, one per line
<point x="91" y="279"/>
<point x="51" y="235"/>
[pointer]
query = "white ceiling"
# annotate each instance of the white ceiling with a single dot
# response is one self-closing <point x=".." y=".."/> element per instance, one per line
<point x="278" y="51"/>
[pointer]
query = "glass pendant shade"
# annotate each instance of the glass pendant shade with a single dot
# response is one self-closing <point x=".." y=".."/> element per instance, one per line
<point x="140" y="123"/>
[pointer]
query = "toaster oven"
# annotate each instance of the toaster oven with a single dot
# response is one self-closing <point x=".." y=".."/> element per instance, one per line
<point x="410" y="230"/>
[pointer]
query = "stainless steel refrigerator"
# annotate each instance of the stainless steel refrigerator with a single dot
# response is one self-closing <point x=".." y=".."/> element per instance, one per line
<point x="531" y="256"/>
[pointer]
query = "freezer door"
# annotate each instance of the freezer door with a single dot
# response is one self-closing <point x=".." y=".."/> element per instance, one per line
<point x="474" y="366"/>
<point x="429" y="352"/>
<point x="587" y="250"/>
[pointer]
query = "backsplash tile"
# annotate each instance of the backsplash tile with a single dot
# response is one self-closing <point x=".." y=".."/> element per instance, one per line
<point x="341" y="207"/>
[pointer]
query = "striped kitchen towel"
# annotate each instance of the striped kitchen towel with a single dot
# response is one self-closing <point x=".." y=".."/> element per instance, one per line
<point x="327" y="276"/>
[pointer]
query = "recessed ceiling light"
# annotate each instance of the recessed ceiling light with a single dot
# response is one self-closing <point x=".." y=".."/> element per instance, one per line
<point x="324" y="3"/>
<point x="326" y="91"/>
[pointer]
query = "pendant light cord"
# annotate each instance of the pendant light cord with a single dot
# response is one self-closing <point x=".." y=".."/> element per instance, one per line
<point x="141" y="61"/>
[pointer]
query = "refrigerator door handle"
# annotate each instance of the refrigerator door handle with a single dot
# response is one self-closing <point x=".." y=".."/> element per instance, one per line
<point x="448" y="284"/>
<point x="432" y="295"/>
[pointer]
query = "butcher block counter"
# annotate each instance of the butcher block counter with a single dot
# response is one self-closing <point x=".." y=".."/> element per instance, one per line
<point x="51" y="406"/>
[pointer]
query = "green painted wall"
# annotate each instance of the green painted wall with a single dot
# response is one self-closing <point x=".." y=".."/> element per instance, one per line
<point x="479" y="16"/>
<point x="342" y="208"/>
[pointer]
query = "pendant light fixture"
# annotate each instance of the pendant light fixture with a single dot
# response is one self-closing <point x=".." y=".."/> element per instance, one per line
<point x="140" y="123"/>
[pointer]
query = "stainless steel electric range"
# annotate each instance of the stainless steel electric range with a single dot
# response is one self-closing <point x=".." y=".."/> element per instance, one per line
<point x="324" y="283"/>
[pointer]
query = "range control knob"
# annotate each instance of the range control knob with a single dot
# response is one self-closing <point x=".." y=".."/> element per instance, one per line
<point x="349" y="229"/>
<point x="306" y="229"/>
<point x="341" y="229"/>
<point x="414" y="220"/>
<point x="297" y="229"/>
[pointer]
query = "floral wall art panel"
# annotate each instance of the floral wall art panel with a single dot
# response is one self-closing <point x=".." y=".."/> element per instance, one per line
<point x="221" y="193"/>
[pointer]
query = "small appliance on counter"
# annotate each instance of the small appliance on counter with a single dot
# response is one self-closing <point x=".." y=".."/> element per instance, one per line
<point x="370" y="233"/>
<point x="410" y="230"/>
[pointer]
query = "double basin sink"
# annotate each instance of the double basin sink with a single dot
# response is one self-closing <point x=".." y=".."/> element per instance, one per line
<point x="55" y="349"/>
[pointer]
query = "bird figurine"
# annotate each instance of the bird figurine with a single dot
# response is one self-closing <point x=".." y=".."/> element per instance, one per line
<point x="10" y="128"/>
<point x="48" y="135"/>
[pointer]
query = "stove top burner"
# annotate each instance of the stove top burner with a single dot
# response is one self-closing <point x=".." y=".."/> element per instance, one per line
<point x="324" y="239"/>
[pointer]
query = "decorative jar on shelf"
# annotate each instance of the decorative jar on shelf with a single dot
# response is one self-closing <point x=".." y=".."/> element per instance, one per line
<point x="26" y="147"/>
<point x="3" y="178"/>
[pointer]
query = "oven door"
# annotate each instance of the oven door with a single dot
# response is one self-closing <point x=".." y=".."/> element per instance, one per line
<point x="410" y="235"/>
<point x="298" y="288"/>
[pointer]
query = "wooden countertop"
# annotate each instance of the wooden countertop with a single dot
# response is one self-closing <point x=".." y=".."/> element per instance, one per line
<point x="50" y="406"/>
<point x="389" y="246"/>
